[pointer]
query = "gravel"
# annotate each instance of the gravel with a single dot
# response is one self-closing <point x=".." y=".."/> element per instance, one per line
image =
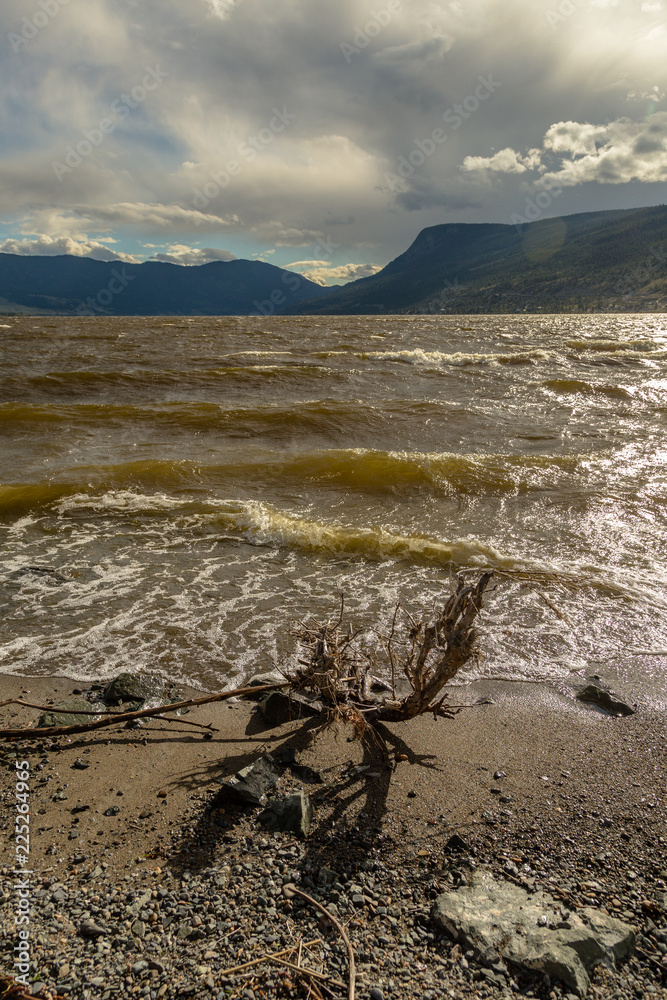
<point x="173" y="932"/>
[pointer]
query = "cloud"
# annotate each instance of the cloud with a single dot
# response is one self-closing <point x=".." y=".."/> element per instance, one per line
<point x="48" y="246"/>
<point x="325" y="273"/>
<point x="232" y="67"/>
<point x="180" y="254"/>
<point x="575" y="153"/>
<point x="506" y="161"/>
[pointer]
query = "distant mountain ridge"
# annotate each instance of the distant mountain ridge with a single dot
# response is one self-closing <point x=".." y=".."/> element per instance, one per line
<point x="591" y="262"/>
<point x="82" y="286"/>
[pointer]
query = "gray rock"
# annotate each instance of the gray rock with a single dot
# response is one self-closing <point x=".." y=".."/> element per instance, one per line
<point x="62" y="714"/>
<point x="487" y="914"/>
<point x="135" y="688"/>
<point x="596" y="695"/>
<point x="293" y="814"/>
<point x="259" y="680"/>
<point x="277" y="708"/>
<point x="89" y="929"/>
<point x="250" y="785"/>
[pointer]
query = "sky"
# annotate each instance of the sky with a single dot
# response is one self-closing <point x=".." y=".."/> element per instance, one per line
<point x="320" y="135"/>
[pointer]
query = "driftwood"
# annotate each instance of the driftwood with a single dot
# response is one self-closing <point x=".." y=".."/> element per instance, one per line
<point x="429" y="655"/>
<point x="113" y="718"/>
<point x="340" y="670"/>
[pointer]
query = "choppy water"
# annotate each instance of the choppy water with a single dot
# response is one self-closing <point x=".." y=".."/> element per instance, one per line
<point x="196" y="483"/>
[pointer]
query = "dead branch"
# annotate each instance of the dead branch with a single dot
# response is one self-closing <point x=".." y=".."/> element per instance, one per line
<point x="341" y="671"/>
<point x="337" y="667"/>
<point x="350" y="949"/>
<point x="266" y="957"/>
<point x="112" y="718"/>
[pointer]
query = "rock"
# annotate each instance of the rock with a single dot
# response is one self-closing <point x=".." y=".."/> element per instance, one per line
<point x="90" y="929"/>
<point x="596" y="695"/>
<point x="259" y="680"/>
<point x="250" y="785"/>
<point x="307" y="773"/>
<point x="62" y="713"/>
<point x="487" y="914"/>
<point x="456" y="843"/>
<point x="135" y="688"/>
<point x="293" y="814"/>
<point x="277" y="708"/>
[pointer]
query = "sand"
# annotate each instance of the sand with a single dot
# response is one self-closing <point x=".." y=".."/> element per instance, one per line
<point x="542" y="790"/>
<point x="616" y="771"/>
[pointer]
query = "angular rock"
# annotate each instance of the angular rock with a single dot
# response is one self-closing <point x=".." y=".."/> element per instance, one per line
<point x="250" y="785"/>
<point x="135" y="688"/>
<point x="532" y="931"/>
<point x="277" y="708"/>
<point x="259" y="680"/>
<point x="596" y="695"/>
<point x="293" y="814"/>
<point x="62" y="713"/>
<point x="90" y="929"/>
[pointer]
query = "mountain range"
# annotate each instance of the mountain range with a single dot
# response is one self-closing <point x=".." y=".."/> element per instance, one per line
<point x="590" y="262"/>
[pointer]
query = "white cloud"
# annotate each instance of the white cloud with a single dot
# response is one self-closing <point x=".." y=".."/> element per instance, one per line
<point x="325" y="273"/>
<point x="576" y="153"/>
<point x="49" y="246"/>
<point x="178" y="253"/>
<point x="230" y="63"/>
<point x="506" y="161"/>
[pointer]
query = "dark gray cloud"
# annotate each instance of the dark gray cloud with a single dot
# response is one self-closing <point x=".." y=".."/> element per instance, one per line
<point x="279" y="124"/>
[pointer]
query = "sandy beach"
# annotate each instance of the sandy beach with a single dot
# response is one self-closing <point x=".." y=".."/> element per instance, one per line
<point x="579" y="799"/>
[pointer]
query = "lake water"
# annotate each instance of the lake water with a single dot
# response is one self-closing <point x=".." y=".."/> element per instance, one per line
<point x="174" y="491"/>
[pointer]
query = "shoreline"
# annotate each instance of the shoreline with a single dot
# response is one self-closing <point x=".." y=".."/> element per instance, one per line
<point x="577" y="785"/>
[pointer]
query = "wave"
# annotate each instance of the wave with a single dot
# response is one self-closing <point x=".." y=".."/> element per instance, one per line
<point x="610" y="346"/>
<point x="261" y="524"/>
<point x="312" y="416"/>
<point x="573" y="385"/>
<point x="360" y="470"/>
<point x="417" y="356"/>
<point x="81" y="382"/>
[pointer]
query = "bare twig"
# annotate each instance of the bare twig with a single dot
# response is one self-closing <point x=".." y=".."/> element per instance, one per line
<point x="265" y="958"/>
<point x="304" y="969"/>
<point x="339" y="928"/>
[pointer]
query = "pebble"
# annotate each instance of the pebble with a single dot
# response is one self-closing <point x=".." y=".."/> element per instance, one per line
<point x="164" y="933"/>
